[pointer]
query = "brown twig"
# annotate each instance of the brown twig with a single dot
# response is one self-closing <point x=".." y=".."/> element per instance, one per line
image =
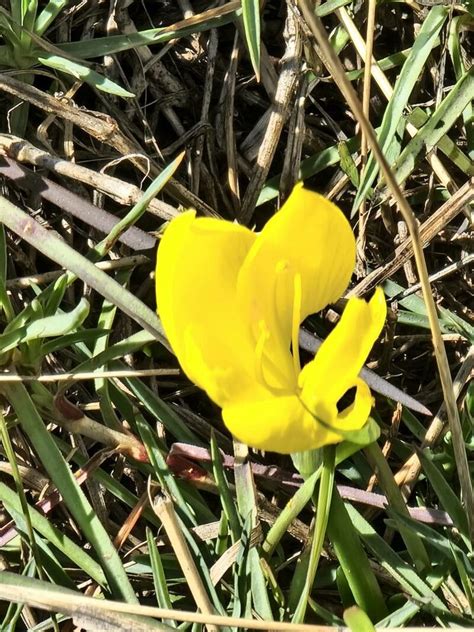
<point x="427" y="231"/>
<point x="74" y="204"/>
<point x="116" y="189"/>
<point x="290" y="69"/>
<point x="104" y="129"/>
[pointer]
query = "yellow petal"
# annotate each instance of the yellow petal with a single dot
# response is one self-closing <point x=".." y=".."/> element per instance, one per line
<point x="338" y="362"/>
<point x="277" y="424"/>
<point x="310" y="238"/>
<point x="196" y="276"/>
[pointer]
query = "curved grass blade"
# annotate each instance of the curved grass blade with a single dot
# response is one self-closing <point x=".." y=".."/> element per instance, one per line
<point x="357" y="620"/>
<point x="408" y="578"/>
<point x="159" y="578"/>
<point x="205" y="21"/>
<point x="448" y="498"/>
<point x="83" y="73"/>
<point x="48" y="327"/>
<point x="354" y="561"/>
<point x="48" y="15"/>
<point x="323" y="507"/>
<point x="72" y="494"/>
<point x="415" y="546"/>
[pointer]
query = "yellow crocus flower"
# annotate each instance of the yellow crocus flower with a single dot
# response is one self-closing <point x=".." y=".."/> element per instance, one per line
<point x="231" y="302"/>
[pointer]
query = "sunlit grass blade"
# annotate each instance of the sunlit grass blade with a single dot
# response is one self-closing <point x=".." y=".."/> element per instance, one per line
<point x="72" y="494"/>
<point x="408" y="578"/>
<point x="357" y="620"/>
<point x="413" y="543"/>
<point x="291" y="510"/>
<point x="406" y="80"/>
<point x="251" y="19"/>
<point x="460" y="67"/>
<point x="438" y="124"/>
<point x="48" y="14"/>
<point x="159" y="578"/>
<point x="48" y="327"/>
<point x="56" y="537"/>
<point x="225" y="495"/>
<point x="323" y="506"/>
<point x="354" y="561"/>
<point x="83" y="73"/>
<point x="112" y="44"/>
<point x="449" y="500"/>
<point x="55" y="248"/>
<point x="247" y="504"/>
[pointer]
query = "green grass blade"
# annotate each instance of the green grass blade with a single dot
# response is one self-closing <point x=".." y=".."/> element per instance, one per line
<point x="119" y="43"/>
<point x="460" y="68"/>
<point x="439" y="123"/>
<point x="408" y="578"/>
<point x="55" y="248"/>
<point x="162" y="472"/>
<point x="354" y="561"/>
<point x="413" y="543"/>
<point x="48" y="15"/>
<point x="159" y="578"/>
<point x="140" y="207"/>
<point x="323" y="507"/>
<point x="357" y="620"/>
<point x="72" y="494"/>
<point x="83" y="73"/>
<point x="225" y="495"/>
<point x="48" y="327"/>
<point x="162" y="411"/>
<point x="55" y="536"/>
<point x="448" y="498"/>
<point x="402" y="90"/>
<point x="251" y="20"/>
<point x="291" y="510"/>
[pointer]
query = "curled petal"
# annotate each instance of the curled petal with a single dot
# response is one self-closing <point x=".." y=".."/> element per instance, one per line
<point x="277" y="424"/>
<point x="196" y="276"/>
<point x="309" y="239"/>
<point x="334" y="370"/>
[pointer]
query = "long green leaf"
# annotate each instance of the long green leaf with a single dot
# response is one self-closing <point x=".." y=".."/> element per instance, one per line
<point x="84" y="73"/>
<point x="48" y="15"/>
<point x="439" y="123"/>
<point x="251" y="19"/>
<point x="72" y="494"/>
<point x="402" y="90"/>
<point x="354" y="561"/>
<point x="55" y="536"/>
<point x="119" y="43"/>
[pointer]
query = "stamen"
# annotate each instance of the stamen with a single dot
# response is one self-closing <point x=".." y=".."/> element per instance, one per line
<point x="258" y="359"/>
<point x="296" y="321"/>
<point x="281" y="273"/>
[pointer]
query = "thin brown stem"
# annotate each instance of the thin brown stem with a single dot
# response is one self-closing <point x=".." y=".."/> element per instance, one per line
<point x="334" y="66"/>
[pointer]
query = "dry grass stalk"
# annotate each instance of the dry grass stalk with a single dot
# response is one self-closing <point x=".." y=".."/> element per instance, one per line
<point x="334" y="65"/>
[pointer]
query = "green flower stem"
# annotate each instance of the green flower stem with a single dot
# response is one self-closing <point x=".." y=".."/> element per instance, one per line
<point x="415" y="546"/>
<point x="353" y="561"/>
<point x="323" y="505"/>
